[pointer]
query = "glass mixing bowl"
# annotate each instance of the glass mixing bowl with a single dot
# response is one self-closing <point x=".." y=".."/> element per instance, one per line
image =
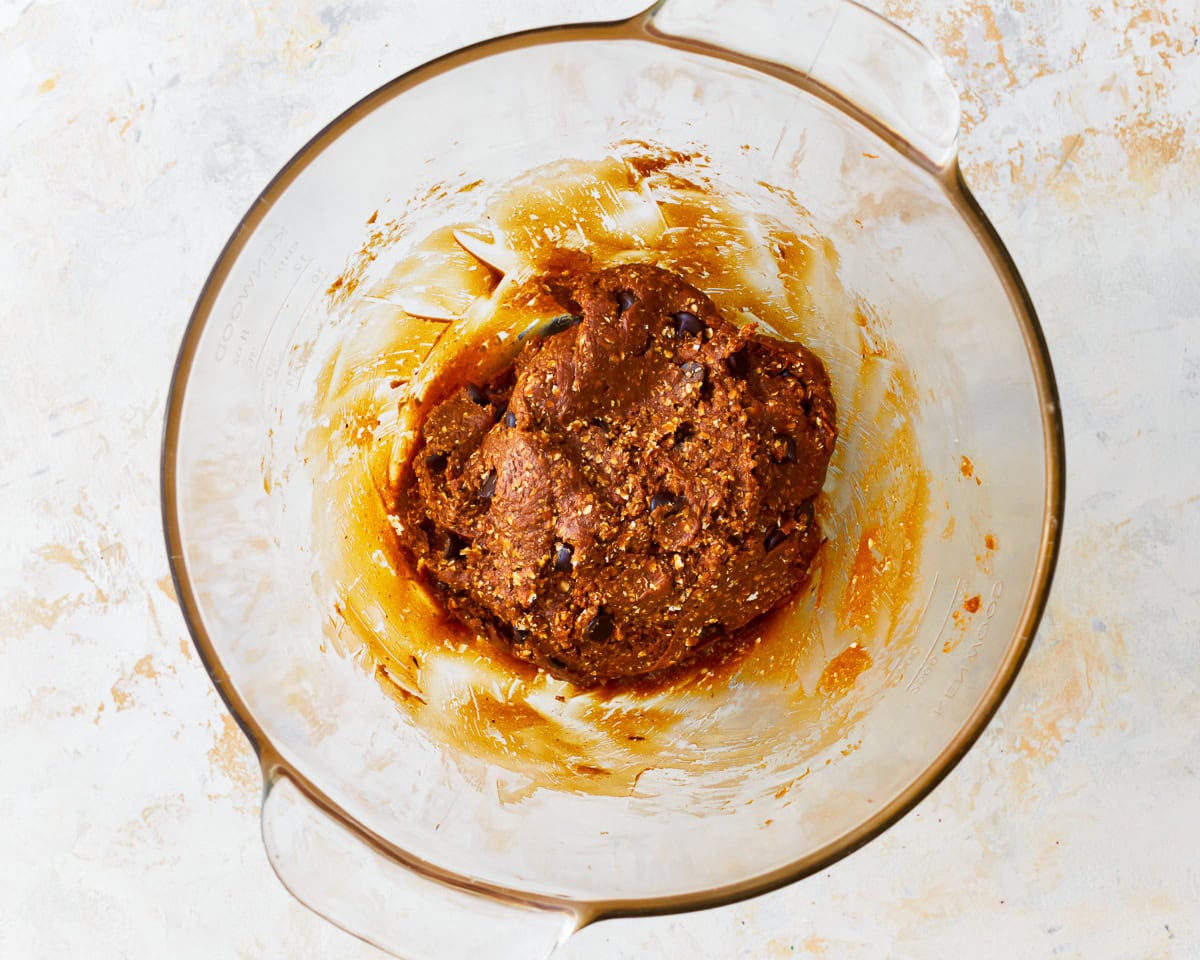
<point x="379" y="826"/>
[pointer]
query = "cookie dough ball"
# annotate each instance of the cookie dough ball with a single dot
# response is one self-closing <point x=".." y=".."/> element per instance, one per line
<point x="638" y="485"/>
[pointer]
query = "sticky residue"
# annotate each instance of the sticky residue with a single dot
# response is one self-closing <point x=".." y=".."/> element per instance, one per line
<point x="842" y="672"/>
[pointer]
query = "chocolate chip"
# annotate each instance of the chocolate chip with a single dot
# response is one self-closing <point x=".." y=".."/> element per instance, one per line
<point x="805" y="513"/>
<point x="783" y="450"/>
<point x="773" y="539"/>
<point x="664" y="498"/>
<point x="687" y="322"/>
<point x="454" y="546"/>
<point x="487" y="486"/>
<point x="710" y="630"/>
<point x="738" y="363"/>
<point x="510" y="419"/>
<point x="478" y="394"/>
<point x="562" y="558"/>
<point x="435" y="461"/>
<point x="564" y="322"/>
<point x="520" y="636"/>
<point x="692" y="370"/>
<point x="625" y="300"/>
<point x="600" y="628"/>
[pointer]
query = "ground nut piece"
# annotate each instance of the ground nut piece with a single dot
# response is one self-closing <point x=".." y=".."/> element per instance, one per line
<point x="637" y="486"/>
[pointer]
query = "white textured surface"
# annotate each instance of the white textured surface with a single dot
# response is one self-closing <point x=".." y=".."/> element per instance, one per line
<point x="132" y="138"/>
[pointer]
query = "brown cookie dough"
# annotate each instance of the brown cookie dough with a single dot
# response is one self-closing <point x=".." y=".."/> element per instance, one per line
<point x="637" y="485"/>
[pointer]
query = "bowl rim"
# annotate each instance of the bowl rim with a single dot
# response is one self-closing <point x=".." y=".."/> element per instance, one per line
<point x="274" y="766"/>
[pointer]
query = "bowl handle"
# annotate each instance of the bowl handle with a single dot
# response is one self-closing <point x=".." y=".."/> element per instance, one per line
<point x="337" y="874"/>
<point x="863" y="60"/>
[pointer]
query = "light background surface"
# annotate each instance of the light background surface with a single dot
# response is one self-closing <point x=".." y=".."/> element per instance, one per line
<point x="132" y="138"/>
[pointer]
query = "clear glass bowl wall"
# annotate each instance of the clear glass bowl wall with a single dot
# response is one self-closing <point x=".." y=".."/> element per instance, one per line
<point x="248" y="567"/>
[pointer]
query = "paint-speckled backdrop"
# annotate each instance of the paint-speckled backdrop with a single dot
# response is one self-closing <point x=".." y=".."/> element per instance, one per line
<point x="132" y="137"/>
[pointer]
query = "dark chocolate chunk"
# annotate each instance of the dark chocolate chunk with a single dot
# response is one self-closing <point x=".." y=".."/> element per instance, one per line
<point x="435" y="461"/>
<point x="454" y="546"/>
<point x="789" y="450"/>
<point x="692" y="370"/>
<point x="600" y="628"/>
<point x="487" y="486"/>
<point x="805" y="513"/>
<point x="687" y="323"/>
<point x="562" y="558"/>
<point x="710" y="630"/>
<point x="478" y="394"/>
<point x="665" y="499"/>
<point x="564" y="322"/>
<point x="773" y="539"/>
<point x="738" y="363"/>
<point x="510" y="419"/>
<point x="625" y="300"/>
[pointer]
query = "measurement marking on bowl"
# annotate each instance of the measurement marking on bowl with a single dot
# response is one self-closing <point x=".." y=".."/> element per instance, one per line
<point x="981" y="633"/>
<point x="307" y="262"/>
<point x="903" y="662"/>
<point x="317" y="278"/>
<point x="234" y="328"/>
<point x="919" y="677"/>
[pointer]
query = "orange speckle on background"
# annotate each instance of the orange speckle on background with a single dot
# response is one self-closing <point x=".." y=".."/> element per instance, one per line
<point x="121" y="698"/>
<point x="145" y="668"/>
<point x="971" y="604"/>
<point x="231" y="756"/>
